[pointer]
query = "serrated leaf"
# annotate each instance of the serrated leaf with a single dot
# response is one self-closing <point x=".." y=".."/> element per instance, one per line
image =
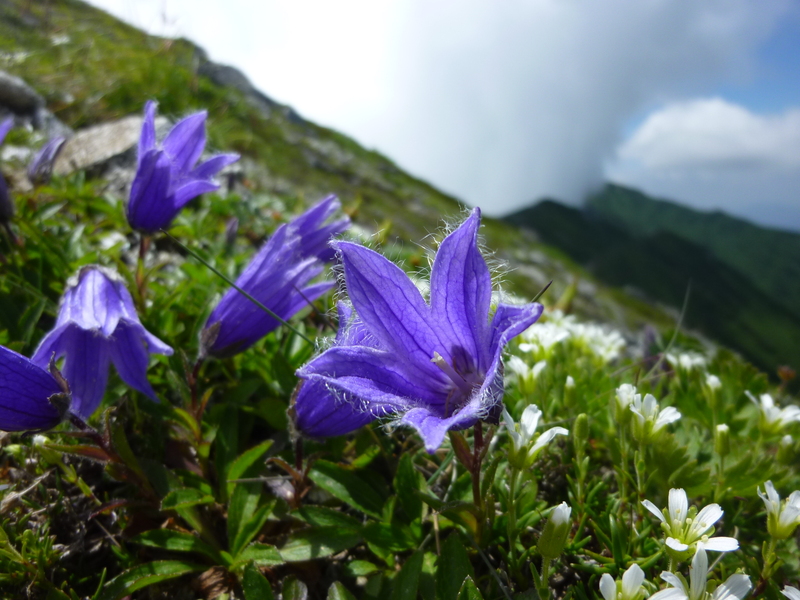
<point x="406" y="582"/>
<point x="318" y="542"/>
<point x="144" y="575"/>
<point x="255" y="585"/>
<point x="453" y="568"/>
<point x="347" y="486"/>
<point x="337" y="591"/>
<point x="176" y="541"/>
<point x="469" y="591"/>
<point x="184" y="498"/>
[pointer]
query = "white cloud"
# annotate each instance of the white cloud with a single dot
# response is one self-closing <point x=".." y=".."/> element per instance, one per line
<point x="712" y="134"/>
<point x="500" y="103"/>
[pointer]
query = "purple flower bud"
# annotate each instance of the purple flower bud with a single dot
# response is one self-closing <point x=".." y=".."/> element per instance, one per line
<point x="166" y="176"/>
<point x="31" y="398"/>
<point x="97" y="325"/>
<point x="41" y="168"/>
<point x="437" y="362"/>
<point x="277" y="277"/>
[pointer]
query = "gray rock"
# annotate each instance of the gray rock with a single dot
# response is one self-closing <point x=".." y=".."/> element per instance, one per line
<point x="92" y="147"/>
<point x="18" y="97"/>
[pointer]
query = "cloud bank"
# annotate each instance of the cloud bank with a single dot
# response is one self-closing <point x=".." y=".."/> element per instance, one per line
<point x="499" y="103"/>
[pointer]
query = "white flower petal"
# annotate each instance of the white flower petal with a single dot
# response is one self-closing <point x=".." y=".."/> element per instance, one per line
<point x="791" y="592"/>
<point x="608" y="587"/>
<point x="529" y="421"/>
<point x="676" y="545"/>
<point x="632" y="580"/>
<point x="670" y="594"/>
<point x="706" y="518"/>
<point x="735" y="587"/>
<point x="674" y="581"/>
<point x="537" y="368"/>
<point x="698" y="574"/>
<point x="678" y="505"/>
<point x="546" y="438"/>
<point x="721" y="544"/>
<point x="654" y="509"/>
<point x="667" y="416"/>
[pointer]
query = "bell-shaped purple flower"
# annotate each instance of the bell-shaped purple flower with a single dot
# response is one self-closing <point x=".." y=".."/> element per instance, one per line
<point x="318" y="411"/>
<point x="278" y="278"/>
<point x="437" y="364"/>
<point x="6" y="204"/>
<point x="31" y="398"/>
<point x="166" y="176"/>
<point x="40" y="170"/>
<point x="97" y="324"/>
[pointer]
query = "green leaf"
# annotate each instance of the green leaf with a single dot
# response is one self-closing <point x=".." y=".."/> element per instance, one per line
<point x="144" y="575"/>
<point x="176" y="541"/>
<point x="469" y="591"/>
<point x="184" y="498"/>
<point x="255" y="585"/>
<point x="250" y="528"/>
<point x="453" y="568"/>
<point x="240" y="467"/>
<point x="318" y="542"/>
<point x="407" y="481"/>
<point x="337" y="591"/>
<point x="407" y="580"/>
<point x="262" y="555"/>
<point x="394" y="538"/>
<point x="322" y="516"/>
<point x="293" y="589"/>
<point x="346" y="485"/>
<point x="226" y="446"/>
<point x="359" y="568"/>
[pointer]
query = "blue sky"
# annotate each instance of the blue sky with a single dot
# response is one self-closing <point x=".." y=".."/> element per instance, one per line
<point x="504" y="103"/>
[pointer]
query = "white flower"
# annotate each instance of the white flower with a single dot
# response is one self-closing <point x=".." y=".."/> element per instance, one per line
<point x="773" y="418"/>
<point x="649" y="419"/>
<point x="734" y="588"/>
<point x="569" y="383"/>
<point x="630" y="587"/>
<point x="607" y="344"/>
<point x="688" y="530"/>
<point x="781" y="519"/>
<point x="686" y="361"/>
<point x="791" y="592"/>
<point x="543" y="337"/>
<point x="555" y="532"/>
<point x="713" y="382"/>
<point x="522" y="435"/>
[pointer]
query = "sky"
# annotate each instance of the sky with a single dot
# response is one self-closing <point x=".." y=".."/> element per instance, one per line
<point x="505" y="103"/>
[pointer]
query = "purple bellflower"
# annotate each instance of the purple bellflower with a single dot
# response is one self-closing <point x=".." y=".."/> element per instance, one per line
<point x="41" y="168"/>
<point x="277" y="277"/>
<point x="97" y="324"/>
<point x="166" y="176"/>
<point x="31" y="398"/>
<point x="6" y="205"/>
<point x="438" y="364"/>
<point x="320" y="412"/>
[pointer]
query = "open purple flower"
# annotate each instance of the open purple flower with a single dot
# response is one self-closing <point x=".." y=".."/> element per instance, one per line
<point x="166" y="176"/>
<point x="277" y="277"/>
<point x="97" y="324"/>
<point x="41" y="168"/>
<point x="319" y="411"/>
<point x="436" y="364"/>
<point x="31" y="398"/>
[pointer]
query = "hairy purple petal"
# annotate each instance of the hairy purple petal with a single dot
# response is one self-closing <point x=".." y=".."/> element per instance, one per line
<point x="191" y="190"/>
<point x="25" y="390"/>
<point x="185" y="142"/>
<point x="97" y="324"/>
<point x="209" y="168"/>
<point x="149" y="208"/>
<point x="432" y="427"/>
<point x="147" y="140"/>
<point x="319" y="413"/>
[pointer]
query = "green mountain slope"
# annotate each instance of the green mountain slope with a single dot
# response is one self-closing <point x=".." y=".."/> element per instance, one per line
<point x="723" y="303"/>
<point x="768" y="257"/>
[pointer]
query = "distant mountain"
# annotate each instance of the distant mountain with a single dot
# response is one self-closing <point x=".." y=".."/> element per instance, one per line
<point x="770" y="258"/>
<point x="725" y="303"/>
